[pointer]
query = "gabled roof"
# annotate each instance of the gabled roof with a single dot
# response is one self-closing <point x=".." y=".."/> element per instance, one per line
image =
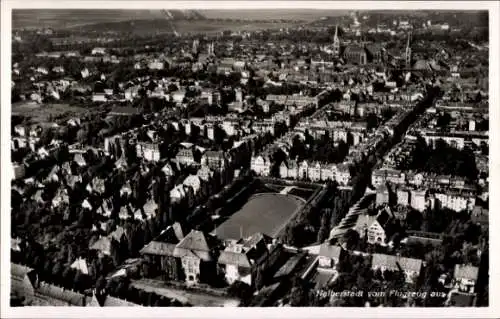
<point x="102" y="244"/>
<point x="80" y="159"/>
<point x="165" y="243"/>
<point x="234" y="258"/>
<point x="158" y="248"/>
<point x="81" y="265"/>
<point x="118" y="233"/>
<point x="197" y="244"/>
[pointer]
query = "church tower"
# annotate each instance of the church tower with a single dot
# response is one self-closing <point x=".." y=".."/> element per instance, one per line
<point x="336" y="43"/>
<point x="211" y="49"/>
<point x="196" y="43"/>
<point x="408" y="53"/>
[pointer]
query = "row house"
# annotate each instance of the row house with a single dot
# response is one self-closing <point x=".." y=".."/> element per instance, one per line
<point x="455" y="200"/>
<point x="215" y="160"/>
<point x="346" y="106"/>
<point x="383" y="175"/>
<point x="419" y="199"/>
<point x="315" y="171"/>
<point x="264" y="126"/>
<point x="261" y="165"/>
<point x="148" y="151"/>
<point x="456" y="139"/>
<point x="156" y="65"/>
<point x="185" y="156"/>
<point x="298" y="100"/>
<point x="213" y="97"/>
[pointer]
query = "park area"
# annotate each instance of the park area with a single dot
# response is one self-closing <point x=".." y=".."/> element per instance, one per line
<point x="43" y="113"/>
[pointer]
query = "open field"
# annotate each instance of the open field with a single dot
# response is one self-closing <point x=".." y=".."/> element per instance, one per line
<point x="209" y="26"/>
<point x="41" y="113"/>
<point x="159" y="26"/>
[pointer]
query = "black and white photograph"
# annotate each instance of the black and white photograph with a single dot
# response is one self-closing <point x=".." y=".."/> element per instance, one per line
<point x="247" y="157"/>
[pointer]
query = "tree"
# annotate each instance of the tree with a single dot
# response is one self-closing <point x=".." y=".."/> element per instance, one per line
<point x="259" y="279"/>
<point x="444" y="120"/>
<point x="371" y="121"/>
<point x="57" y="272"/>
<point x="298" y="294"/>
<point x="414" y="220"/>
<point x="351" y="238"/>
<point x="325" y="226"/>
<point x="240" y="290"/>
<point x="101" y="283"/>
<point x="47" y="136"/>
<point x="115" y="252"/>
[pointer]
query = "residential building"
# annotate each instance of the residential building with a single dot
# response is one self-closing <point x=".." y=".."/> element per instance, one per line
<point x="159" y="253"/>
<point x="465" y="277"/>
<point x="242" y="259"/>
<point x="411" y="267"/>
<point x="197" y="254"/>
<point x="185" y="156"/>
<point x="215" y="160"/>
<point x="377" y="229"/>
<point x="261" y="165"/>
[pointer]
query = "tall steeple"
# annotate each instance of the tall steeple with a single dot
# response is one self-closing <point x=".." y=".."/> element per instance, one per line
<point x="211" y="49"/>
<point x="408" y="52"/>
<point x="336" y="42"/>
<point x="196" y="43"/>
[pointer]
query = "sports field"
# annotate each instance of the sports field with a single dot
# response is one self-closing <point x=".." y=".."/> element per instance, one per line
<point x="266" y="213"/>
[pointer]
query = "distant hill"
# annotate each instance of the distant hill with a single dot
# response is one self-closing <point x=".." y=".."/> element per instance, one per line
<point x="70" y="18"/>
<point x="272" y="14"/>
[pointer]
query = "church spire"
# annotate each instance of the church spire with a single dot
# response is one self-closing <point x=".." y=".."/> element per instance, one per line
<point x="336" y="42"/>
<point x="408" y="52"/>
